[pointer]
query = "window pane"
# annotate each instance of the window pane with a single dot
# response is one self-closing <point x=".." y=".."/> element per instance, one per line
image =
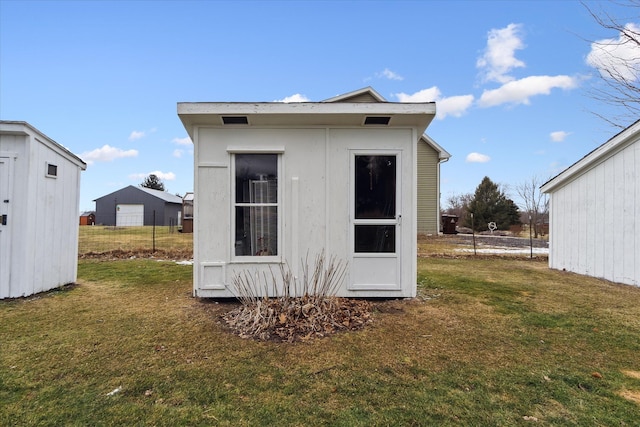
<point x="375" y="238"/>
<point x="256" y="178"/>
<point x="256" y="231"/>
<point x="375" y="187"/>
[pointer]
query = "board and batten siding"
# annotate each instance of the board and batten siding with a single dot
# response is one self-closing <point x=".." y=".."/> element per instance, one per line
<point x="428" y="189"/>
<point x="43" y="212"/>
<point x="595" y="220"/>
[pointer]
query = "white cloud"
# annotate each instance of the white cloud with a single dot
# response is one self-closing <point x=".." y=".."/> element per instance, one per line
<point x="182" y="141"/>
<point x="445" y="106"/>
<point x="293" y="98"/>
<point x="425" y="95"/>
<point x="388" y="74"/>
<point x="618" y="57"/>
<point x="136" y="135"/>
<point x="454" y="106"/>
<point x="477" y="158"/>
<point x="165" y="176"/>
<point x="519" y="91"/>
<point x="499" y="56"/>
<point x="559" y="136"/>
<point x="106" y="153"/>
<point x="178" y="153"/>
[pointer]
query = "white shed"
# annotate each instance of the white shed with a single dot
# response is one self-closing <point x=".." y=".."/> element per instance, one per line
<point x="276" y="181"/>
<point x="39" y="206"/>
<point x="594" y="214"/>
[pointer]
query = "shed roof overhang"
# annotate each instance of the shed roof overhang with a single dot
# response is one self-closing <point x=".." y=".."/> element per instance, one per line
<point x="12" y="127"/>
<point x="617" y="143"/>
<point x="304" y="114"/>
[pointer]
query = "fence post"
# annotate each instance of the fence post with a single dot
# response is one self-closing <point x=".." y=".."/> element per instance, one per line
<point x="154" y="231"/>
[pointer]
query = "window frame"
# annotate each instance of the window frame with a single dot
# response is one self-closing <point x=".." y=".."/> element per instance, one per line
<point x="46" y="170"/>
<point x="278" y="257"/>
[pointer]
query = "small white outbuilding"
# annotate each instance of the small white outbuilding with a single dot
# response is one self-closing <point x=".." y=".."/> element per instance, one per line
<point x="594" y="212"/>
<point x="39" y="205"/>
<point x="277" y="181"/>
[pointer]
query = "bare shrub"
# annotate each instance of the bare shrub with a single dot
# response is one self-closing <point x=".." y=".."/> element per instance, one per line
<point x="298" y="311"/>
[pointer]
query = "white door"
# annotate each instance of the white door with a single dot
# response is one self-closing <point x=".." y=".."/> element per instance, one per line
<point x="5" y="224"/>
<point x="129" y="215"/>
<point x="375" y="220"/>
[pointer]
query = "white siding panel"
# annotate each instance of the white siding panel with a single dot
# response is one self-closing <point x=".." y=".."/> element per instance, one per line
<point x="629" y="221"/>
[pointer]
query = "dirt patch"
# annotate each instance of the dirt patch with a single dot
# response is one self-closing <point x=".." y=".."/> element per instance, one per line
<point x="172" y="254"/>
<point x="633" y="396"/>
<point x="632" y="374"/>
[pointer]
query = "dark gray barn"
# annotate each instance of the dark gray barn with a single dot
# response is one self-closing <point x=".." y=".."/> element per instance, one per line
<point x="135" y="206"/>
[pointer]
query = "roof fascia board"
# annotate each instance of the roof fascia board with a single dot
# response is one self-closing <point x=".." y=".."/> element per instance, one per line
<point x="242" y="108"/>
<point x="442" y="153"/>
<point x="603" y="152"/>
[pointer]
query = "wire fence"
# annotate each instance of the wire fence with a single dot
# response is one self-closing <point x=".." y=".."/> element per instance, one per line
<point x="98" y="239"/>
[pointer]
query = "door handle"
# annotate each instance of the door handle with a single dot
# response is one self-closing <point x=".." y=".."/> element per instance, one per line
<point x="4" y="220"/>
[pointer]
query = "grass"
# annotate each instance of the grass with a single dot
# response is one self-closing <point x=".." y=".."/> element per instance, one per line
<point x="101" y="239"/>
<point x="489" y="341"/>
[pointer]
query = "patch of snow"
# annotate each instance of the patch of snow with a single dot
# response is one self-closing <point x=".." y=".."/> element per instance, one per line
<point x="505" y="250"/>
<point x="184" y="262"/>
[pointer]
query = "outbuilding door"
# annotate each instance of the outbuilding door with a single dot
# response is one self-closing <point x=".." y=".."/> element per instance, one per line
<point x="375" y="220"/>
<point x="5" y="222"/>
<point x="129" y="215"/>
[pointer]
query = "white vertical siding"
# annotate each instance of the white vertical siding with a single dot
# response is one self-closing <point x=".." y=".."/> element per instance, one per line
<point x="44" y="220"/>
<point x="595" y="220"/>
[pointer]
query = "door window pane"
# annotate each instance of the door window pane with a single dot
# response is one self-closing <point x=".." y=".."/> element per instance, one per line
<point x="375" y="186"/>
<point x="375" y="238"/>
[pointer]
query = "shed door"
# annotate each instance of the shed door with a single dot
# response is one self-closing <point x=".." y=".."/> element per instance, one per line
<point x="5" y="223"/>
<point x="129" y="215"/>
<point x="375" y="221"/>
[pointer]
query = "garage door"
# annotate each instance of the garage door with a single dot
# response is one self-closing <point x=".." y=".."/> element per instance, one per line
<point x="129" y="215"/>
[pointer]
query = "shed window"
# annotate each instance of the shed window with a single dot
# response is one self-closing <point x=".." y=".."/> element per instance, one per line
<point x="52" y="170"/>
<point x="256" y="204"/>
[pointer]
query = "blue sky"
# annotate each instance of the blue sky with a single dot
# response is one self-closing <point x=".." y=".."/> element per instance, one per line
<point x="102" y="78"/>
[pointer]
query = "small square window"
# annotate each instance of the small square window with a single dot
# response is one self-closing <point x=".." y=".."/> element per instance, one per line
<point x="52" y="170"/>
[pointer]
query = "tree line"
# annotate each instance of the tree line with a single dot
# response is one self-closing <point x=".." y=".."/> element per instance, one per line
<point x="490" y="203"/>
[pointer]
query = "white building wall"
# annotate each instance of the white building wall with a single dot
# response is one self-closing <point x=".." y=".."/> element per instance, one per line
<point x="595" y="220"/>
<point x="315" y="200"/>
<point x="43" y="215"/>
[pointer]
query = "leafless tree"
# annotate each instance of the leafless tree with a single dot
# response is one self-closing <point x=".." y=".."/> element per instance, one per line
<point x="618" y="61"/>
<point x="457" y="204"/>
<point x="536" y="203"/>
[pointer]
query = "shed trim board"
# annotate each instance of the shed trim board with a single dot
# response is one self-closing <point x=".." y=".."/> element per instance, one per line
<point x="595" y="212"/>
<point x="316" y="145"/>
<point x="39" y="194"/>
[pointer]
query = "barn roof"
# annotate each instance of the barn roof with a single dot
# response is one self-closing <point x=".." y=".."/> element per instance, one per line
<point x="612" y="146"/>
<point x="167" y="197"/>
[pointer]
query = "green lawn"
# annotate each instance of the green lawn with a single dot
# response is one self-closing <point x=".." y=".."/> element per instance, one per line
<point x="488" y="342"/>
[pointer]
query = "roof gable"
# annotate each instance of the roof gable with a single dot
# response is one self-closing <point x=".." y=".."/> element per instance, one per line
<point x="595" y="157"/>
<point x="367" y="94"/>
<point x="10" y="127"/>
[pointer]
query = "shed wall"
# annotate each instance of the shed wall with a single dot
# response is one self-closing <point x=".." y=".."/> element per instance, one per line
<point x="595" y="220"/>
<point x="43" y="215"/>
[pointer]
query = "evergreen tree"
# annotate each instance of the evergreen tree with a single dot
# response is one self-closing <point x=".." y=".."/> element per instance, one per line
<point x="153" y="182"/>
<point x="490" y="204"/>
